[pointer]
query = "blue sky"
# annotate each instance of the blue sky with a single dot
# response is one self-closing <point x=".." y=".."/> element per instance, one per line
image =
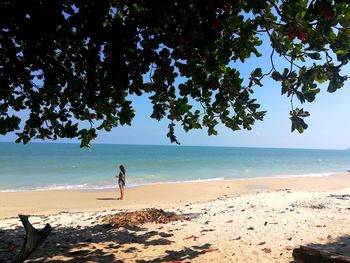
<point x="329" y="125"/>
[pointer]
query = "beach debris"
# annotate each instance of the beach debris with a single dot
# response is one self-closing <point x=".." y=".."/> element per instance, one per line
<point x="207" y="230"/>
<point x="206" y="250"/>
<point x="318" y="206"/>
<point x="308" y="254"/>
<point x="191" y="237"/>
<point x="250" y="228"/>
<point x="340" y="197"/>
<point x="320" y="225"/>
<point x="236" y="238"/>
<point x="289" y="238"/>
<point x="229" y="221"/>
<point x="33" y="239"/>
<point x="146" y="216"/>
<point x="266" y="250"/>
<point x="261" y="243"/>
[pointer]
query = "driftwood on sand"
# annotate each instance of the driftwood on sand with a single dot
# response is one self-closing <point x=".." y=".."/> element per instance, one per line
<point x="34" y="238"/>
<point x="311" y="255"/>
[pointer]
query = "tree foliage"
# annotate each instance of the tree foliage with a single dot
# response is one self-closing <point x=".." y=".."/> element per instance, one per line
<point x="73" y="64"/>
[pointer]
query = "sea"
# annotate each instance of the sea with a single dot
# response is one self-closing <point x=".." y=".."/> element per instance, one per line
<point x="59" y="166"/>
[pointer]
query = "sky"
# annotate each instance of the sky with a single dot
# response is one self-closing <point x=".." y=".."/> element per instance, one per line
<point x="329" y="124"/>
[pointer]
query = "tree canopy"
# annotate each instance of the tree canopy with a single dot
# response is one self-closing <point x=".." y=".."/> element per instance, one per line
<point x="73" y="64"/>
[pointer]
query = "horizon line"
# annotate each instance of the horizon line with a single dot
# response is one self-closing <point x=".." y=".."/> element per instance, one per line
<point x="174" y="145"/>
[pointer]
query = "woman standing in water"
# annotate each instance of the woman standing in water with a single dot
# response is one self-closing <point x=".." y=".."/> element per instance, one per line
<point x="121" y="181"/>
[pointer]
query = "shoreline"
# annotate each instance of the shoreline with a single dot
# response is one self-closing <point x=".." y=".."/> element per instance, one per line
<point x="133" y="185"/>
<point x="166" y="195"/>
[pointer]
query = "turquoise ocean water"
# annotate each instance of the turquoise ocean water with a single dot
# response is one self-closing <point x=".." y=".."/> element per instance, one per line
<point x="40" y="166"/>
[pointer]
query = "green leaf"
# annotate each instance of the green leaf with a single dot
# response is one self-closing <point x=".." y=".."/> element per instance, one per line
<point x="315" y="55"/>
<point x="257" y="73"/>
<point x="171" y="133"/>
<point x="297" y="118"/>
<point x="276" y="76"/>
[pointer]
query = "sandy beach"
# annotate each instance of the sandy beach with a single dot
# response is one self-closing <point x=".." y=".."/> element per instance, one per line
<point x="253" y="220"/>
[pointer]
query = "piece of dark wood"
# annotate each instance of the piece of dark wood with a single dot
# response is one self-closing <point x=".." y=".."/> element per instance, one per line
<point x="311" y="255"/>
<point x="34" y="238"/>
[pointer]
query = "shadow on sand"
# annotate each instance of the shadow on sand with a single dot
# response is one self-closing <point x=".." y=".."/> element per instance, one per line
<point x="340" y="245"/>
<point x="99" y="243"/>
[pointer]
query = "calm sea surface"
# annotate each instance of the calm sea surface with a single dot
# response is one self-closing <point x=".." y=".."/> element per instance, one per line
<point x="39" y="166"/>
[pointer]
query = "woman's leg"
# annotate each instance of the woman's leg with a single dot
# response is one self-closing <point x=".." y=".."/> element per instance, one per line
<point x="121" y="191"/>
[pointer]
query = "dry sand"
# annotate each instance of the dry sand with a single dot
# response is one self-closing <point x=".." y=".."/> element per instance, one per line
<point x="257" y="220"/>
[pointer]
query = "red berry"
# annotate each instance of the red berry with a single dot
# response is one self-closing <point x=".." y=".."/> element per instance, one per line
<point x="17" y="82"/>
<point x="291" y="34"/>
<point x="329" y="15"/>
<point x="302" y="36"/>
<point x="182" y="54"/>
<point x="214" y="23"/>
<point x="213" y="84"/>
<point x="211" y="5"/>
<point x="227" y="6"/>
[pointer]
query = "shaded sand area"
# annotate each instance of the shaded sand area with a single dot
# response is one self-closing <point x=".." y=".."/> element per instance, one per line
<point x="258" y="220"/>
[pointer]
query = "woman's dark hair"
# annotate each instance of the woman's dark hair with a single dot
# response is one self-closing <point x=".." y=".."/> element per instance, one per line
<point x="122" y="168"/>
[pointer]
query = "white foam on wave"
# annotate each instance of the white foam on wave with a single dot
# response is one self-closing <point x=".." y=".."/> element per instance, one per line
<point x="58" y="187"/>
<point x="114" y="186"/>
<point x="305" y="175"/>
<point x="201" y="180"/>
<point x="97" y="187"/>
<point x="284" y="176"/>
